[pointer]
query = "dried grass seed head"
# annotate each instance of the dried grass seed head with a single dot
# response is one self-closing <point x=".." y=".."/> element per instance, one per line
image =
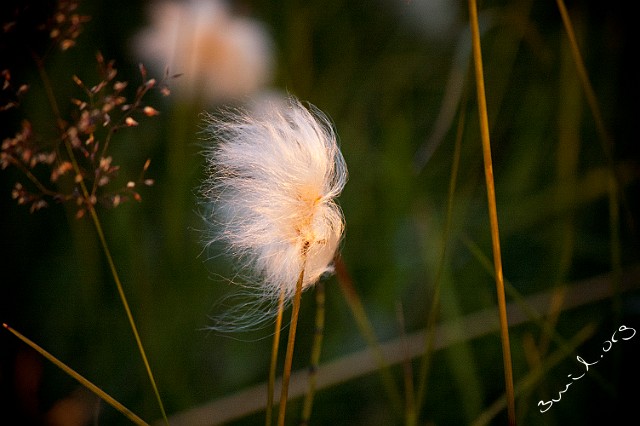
<point x="273" y="180"/>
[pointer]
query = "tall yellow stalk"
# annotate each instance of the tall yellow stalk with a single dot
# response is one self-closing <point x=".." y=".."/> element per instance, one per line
<point x="493" y="211"/>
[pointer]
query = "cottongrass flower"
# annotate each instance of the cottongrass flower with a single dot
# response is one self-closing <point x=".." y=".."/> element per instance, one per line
<point x="272" y="182"/>
<point x="221" y="56"/>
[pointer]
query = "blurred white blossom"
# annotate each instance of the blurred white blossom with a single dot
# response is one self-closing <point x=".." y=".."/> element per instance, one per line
<point x="221" y="56"/>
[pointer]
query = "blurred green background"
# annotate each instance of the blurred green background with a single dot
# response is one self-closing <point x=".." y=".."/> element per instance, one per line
<point x="384" y="71"/>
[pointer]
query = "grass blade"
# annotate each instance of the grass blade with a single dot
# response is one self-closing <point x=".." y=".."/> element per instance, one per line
<point x="86" y="383"/>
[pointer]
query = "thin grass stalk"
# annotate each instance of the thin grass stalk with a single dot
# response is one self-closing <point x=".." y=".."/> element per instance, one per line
<point x="446" y="230"/>
<point x="83" y="381"/>
<point x="274" y="360"/>
<point x="316" y="350"/>
<point x="605" y="138"/>
<point x="288" y="360"/>
<point x="493" y="212"/>
<point x="366" y="329"/>
<point x="98" y="226"/>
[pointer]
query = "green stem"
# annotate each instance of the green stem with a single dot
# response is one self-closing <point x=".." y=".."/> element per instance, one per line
<point x="493" y="211"/>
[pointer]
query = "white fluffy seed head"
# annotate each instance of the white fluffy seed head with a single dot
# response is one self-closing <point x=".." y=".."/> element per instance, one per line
<point x="272" y="182"/>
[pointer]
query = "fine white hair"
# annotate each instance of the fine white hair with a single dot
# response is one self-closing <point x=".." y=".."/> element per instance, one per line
<point x="271" y="185"/>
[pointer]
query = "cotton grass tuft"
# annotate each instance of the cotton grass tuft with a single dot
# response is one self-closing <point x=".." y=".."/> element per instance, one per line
<point x="273" y="177"/>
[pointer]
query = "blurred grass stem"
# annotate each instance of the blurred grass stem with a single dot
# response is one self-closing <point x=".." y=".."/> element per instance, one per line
<point x="493" y="212"/>
<point x="97" y="224"/>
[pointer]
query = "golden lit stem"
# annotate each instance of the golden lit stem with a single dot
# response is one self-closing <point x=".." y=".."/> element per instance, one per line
<point x="493" y="212"/>
<point x="286" y="375"/>
<point x="86" y="383"/>
<point x="274" y="359"/>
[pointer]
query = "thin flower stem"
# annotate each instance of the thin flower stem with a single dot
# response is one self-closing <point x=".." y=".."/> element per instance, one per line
<point x="316" y="350"/>
<point x="286" y="375"/>
<point x="274" y="360"/>
<point x="94" y="216"/>
<point x="493" y="212"/>
<point x="86" y="383"/>
<point x="366" y="329"/>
